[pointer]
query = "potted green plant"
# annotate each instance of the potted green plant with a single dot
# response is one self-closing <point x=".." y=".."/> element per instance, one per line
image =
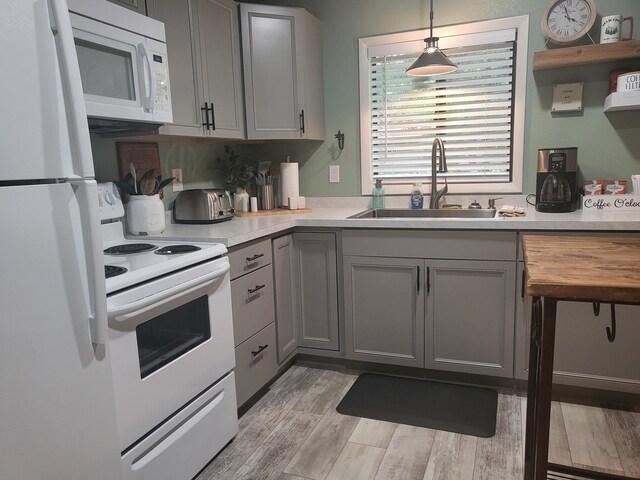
<point x="237" y="175"/>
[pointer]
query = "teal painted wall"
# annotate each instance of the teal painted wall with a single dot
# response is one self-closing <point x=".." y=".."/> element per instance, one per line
<point x="608" y="144"/>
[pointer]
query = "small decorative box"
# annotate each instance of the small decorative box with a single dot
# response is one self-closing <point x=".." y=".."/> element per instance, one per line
<point x="628" y="82"/>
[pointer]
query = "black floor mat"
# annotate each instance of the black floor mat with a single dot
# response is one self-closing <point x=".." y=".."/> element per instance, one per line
<point x="423" y="403"/>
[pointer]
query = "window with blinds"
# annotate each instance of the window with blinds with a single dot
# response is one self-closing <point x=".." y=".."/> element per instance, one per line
<point x="472" y="110"/>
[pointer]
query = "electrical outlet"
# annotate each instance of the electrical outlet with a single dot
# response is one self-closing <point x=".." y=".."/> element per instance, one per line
<point x="177" y="184"/>
<point x="334" y="173"/>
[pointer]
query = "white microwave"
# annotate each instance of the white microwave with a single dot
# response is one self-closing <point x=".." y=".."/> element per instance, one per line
<point x="123" y="66"/>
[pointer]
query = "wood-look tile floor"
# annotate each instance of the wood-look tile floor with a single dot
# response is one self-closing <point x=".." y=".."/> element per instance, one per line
<point x="294" y="433"/>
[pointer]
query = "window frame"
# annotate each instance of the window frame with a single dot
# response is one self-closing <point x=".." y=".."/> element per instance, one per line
<point x="521" y="25"/>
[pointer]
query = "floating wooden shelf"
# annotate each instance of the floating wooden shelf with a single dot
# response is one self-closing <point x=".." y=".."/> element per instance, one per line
<point x="586" y="55"/>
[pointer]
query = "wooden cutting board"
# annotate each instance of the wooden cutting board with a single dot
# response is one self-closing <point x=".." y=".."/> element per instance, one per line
<point x="275" y="211"/>
<point x="605" y="269"/>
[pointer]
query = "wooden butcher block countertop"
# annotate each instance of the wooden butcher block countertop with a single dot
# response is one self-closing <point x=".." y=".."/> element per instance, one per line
<point x="602" y="269"/>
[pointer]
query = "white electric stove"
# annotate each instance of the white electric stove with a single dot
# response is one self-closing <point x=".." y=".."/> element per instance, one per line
<point x="172" y="350"/>
<point x="130" y="261"/>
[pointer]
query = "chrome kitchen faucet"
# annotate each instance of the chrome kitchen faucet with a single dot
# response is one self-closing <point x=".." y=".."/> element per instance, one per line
<point x="436" y="194"/>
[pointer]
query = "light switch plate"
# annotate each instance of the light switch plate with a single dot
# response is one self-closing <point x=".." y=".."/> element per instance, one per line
<point x="567" y="98"/>
<point x="177" y="184"/>
<point x="334" y="173"/>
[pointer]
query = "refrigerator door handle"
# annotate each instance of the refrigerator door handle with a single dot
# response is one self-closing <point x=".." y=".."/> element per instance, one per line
<point x="70" y="73"/>
<point x="87" y="194"/>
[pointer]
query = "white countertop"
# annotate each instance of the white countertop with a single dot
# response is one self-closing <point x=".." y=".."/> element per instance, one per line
<point x="241" y="230"/>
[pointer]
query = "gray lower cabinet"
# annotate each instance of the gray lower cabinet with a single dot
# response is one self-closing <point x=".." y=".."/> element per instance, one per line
<point x="139" y="6"/>
<point x="469" y="320"/>
<point x="253" y="317"/>
<point x="285" y="296"/>
<point x="442" y="300"/>
<point x="384" y="310"/>
<point x="583" y="355"/>
<point x="316" y="270"/>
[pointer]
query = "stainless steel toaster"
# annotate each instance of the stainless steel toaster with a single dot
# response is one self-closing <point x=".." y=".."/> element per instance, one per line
<point x="202" y="206"/>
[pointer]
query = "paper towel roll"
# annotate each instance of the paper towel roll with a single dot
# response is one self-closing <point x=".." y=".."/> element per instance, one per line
<point x="288" y="182"/>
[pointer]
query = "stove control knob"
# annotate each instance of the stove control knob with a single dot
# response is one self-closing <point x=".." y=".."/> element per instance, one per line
<point x="108" y="197"/>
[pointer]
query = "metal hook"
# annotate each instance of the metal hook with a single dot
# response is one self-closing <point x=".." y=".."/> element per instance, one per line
<point x="596" y="309"/>
<point x="611" y="332"/>
<point x="340" y="137"/>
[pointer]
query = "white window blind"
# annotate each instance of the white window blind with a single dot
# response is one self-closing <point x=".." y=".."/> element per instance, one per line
<point x="470" y="109"/>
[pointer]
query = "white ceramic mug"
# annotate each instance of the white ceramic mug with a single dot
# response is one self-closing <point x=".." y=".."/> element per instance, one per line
<point x="611" y="28"/>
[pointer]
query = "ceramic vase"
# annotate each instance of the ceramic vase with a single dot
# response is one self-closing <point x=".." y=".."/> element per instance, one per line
<point x="145" y="214"/>
<point x="241" y="200"/>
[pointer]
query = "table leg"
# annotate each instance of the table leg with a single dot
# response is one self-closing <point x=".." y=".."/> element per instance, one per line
<point x="531" y="432"/>
<point x="543" y="322"/>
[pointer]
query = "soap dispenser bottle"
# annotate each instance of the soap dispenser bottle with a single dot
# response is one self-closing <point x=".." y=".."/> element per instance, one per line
<point x="417" y="200"/>
<point x="377" y="196"/>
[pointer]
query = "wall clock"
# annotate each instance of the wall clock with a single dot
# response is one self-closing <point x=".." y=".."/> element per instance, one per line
<point x="566" y="21"/>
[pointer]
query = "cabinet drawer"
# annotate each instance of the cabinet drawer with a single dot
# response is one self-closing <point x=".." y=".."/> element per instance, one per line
<point x="252" y="303"/>
<point x="250" y="257"/>
<point x="256" y="363"/>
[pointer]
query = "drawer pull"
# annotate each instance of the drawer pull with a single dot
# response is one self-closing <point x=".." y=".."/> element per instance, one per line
<point x="257" y="289"/>
<point x="255" y="257"/>
<point x="261" y="348"/>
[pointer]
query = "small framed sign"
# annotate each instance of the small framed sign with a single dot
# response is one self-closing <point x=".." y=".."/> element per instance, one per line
<point x="610" y="203"/>
<point x="567" y="98"/>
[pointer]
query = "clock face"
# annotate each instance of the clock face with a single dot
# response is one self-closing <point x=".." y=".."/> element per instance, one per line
<point x="568" y="20"/>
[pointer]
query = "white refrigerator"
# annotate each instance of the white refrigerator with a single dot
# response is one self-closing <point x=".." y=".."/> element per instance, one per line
<point x="57" y="413"/>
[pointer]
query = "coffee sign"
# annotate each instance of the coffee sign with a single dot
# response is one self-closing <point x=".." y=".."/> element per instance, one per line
<point x="610" y="203"/>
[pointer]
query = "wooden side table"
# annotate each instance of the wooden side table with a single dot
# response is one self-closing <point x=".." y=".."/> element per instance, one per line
<point x="567" y="268"/>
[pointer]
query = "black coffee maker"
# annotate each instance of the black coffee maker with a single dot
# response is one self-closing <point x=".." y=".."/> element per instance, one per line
<point x="557" y="180"/>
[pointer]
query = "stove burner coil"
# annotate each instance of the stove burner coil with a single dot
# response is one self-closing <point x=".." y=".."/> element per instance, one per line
<point x="176" y="249"/>
<point x="128" y="248"/>
<point x="112" y="271"/>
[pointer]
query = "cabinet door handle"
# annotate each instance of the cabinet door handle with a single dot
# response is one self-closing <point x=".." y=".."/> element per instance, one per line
<point x="257" y="289"/>
<point x="261" y="348"/>
<point x="418" y="279"/>
<point x="213" y="117"/>
<point x="205" y="109"/>
<point x="428" y="280"/>
<point x="302" y="128"/>
<point x="522" y="286"/>
<point x="255" y="257"/>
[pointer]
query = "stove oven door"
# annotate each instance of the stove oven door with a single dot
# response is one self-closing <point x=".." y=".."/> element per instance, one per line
<point x="171" y="338"/>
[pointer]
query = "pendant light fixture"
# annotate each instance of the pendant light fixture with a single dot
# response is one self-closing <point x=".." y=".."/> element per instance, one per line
<point x="432" y="61"/>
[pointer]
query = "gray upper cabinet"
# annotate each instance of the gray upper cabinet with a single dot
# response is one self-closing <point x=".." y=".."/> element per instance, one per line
<point x="583" y="355"/>
<point x="139" y="6"/>
<point x="285" y="296"/>
<point x="204" y="63"/>
<point x="470" y="316"/>
<point x="384" y="310"/>
<point x="317" y="280"/>
<point x="282" y="58"/>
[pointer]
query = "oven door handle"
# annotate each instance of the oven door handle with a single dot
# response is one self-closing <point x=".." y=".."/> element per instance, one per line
<point x="154" y="300"/>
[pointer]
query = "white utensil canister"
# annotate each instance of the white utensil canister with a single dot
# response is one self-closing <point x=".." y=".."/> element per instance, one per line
<point x="145" y="215"/>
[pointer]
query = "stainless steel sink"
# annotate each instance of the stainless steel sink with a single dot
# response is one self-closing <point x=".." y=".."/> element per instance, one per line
<point x="426" y="213"/>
